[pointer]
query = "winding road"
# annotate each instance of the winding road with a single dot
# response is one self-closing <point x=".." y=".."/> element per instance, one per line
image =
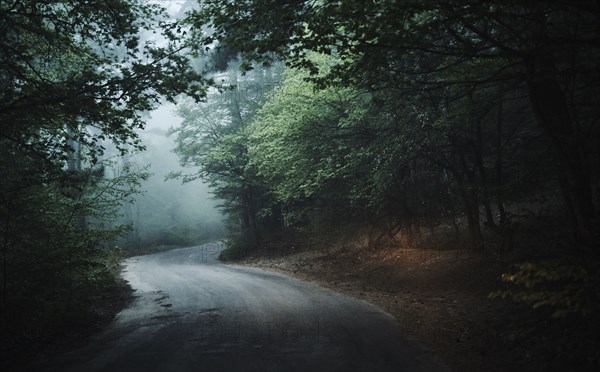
<point x="193" y="313"/>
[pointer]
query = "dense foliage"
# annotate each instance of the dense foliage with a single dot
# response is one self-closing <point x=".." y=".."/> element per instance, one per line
<point x="75" y="77"/>
<point x="214" y="137"/>
<point x="477" y="100"/>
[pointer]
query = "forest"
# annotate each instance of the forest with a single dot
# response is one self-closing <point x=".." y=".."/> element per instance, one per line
<point x="371" y="123"/>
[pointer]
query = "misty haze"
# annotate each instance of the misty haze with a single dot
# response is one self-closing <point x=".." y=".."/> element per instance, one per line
<point x="168" y="213"/>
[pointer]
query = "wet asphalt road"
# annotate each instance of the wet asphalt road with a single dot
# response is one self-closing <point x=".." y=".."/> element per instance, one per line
<point x="192" y="313"/>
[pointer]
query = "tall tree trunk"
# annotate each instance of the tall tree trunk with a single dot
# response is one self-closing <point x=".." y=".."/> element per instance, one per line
<point x="478" y="150"/>
<point x="407" y="217"/>
<point x="470" y="198"/>
<point x="498" y="165"/>
<point x="551" y="110"/>
<point x="74" y="165"/>
<point x="471" y="203"/>
<point x="5" y="243"/>
<point x="549" y="103"/>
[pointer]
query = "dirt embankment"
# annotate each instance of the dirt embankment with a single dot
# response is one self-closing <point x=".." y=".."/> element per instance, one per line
<point x="439" y="297"/>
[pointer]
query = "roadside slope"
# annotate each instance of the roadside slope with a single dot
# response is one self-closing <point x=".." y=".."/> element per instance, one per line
<point x="438" y="297"/>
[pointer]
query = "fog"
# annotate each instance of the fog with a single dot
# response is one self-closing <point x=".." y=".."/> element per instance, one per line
<point x="168" y="213"/>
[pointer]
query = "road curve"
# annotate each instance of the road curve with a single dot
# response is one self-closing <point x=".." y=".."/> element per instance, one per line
<point x="192" y="313"/>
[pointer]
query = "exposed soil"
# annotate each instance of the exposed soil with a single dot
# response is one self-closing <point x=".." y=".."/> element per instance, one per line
<point x="441" y="299"/>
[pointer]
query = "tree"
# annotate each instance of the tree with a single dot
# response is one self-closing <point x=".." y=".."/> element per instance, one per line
<point x="74" y="77"/>
<point x="549" y="49"/>
<point x="213" y="140"/>
<point x="338" y="156"/>
<point x="68" y="68"/>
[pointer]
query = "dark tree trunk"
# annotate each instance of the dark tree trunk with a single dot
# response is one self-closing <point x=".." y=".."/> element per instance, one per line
<point x="489" y="215"/>
<point x="248" y="217"/>
<point x="498" y="165"/>
<point x="551" y="110"/>
<point x="550" y="106"/>
<point x="468" y="193"/>
<point x="471" y="203"/>
<point x="407" y="218"/>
